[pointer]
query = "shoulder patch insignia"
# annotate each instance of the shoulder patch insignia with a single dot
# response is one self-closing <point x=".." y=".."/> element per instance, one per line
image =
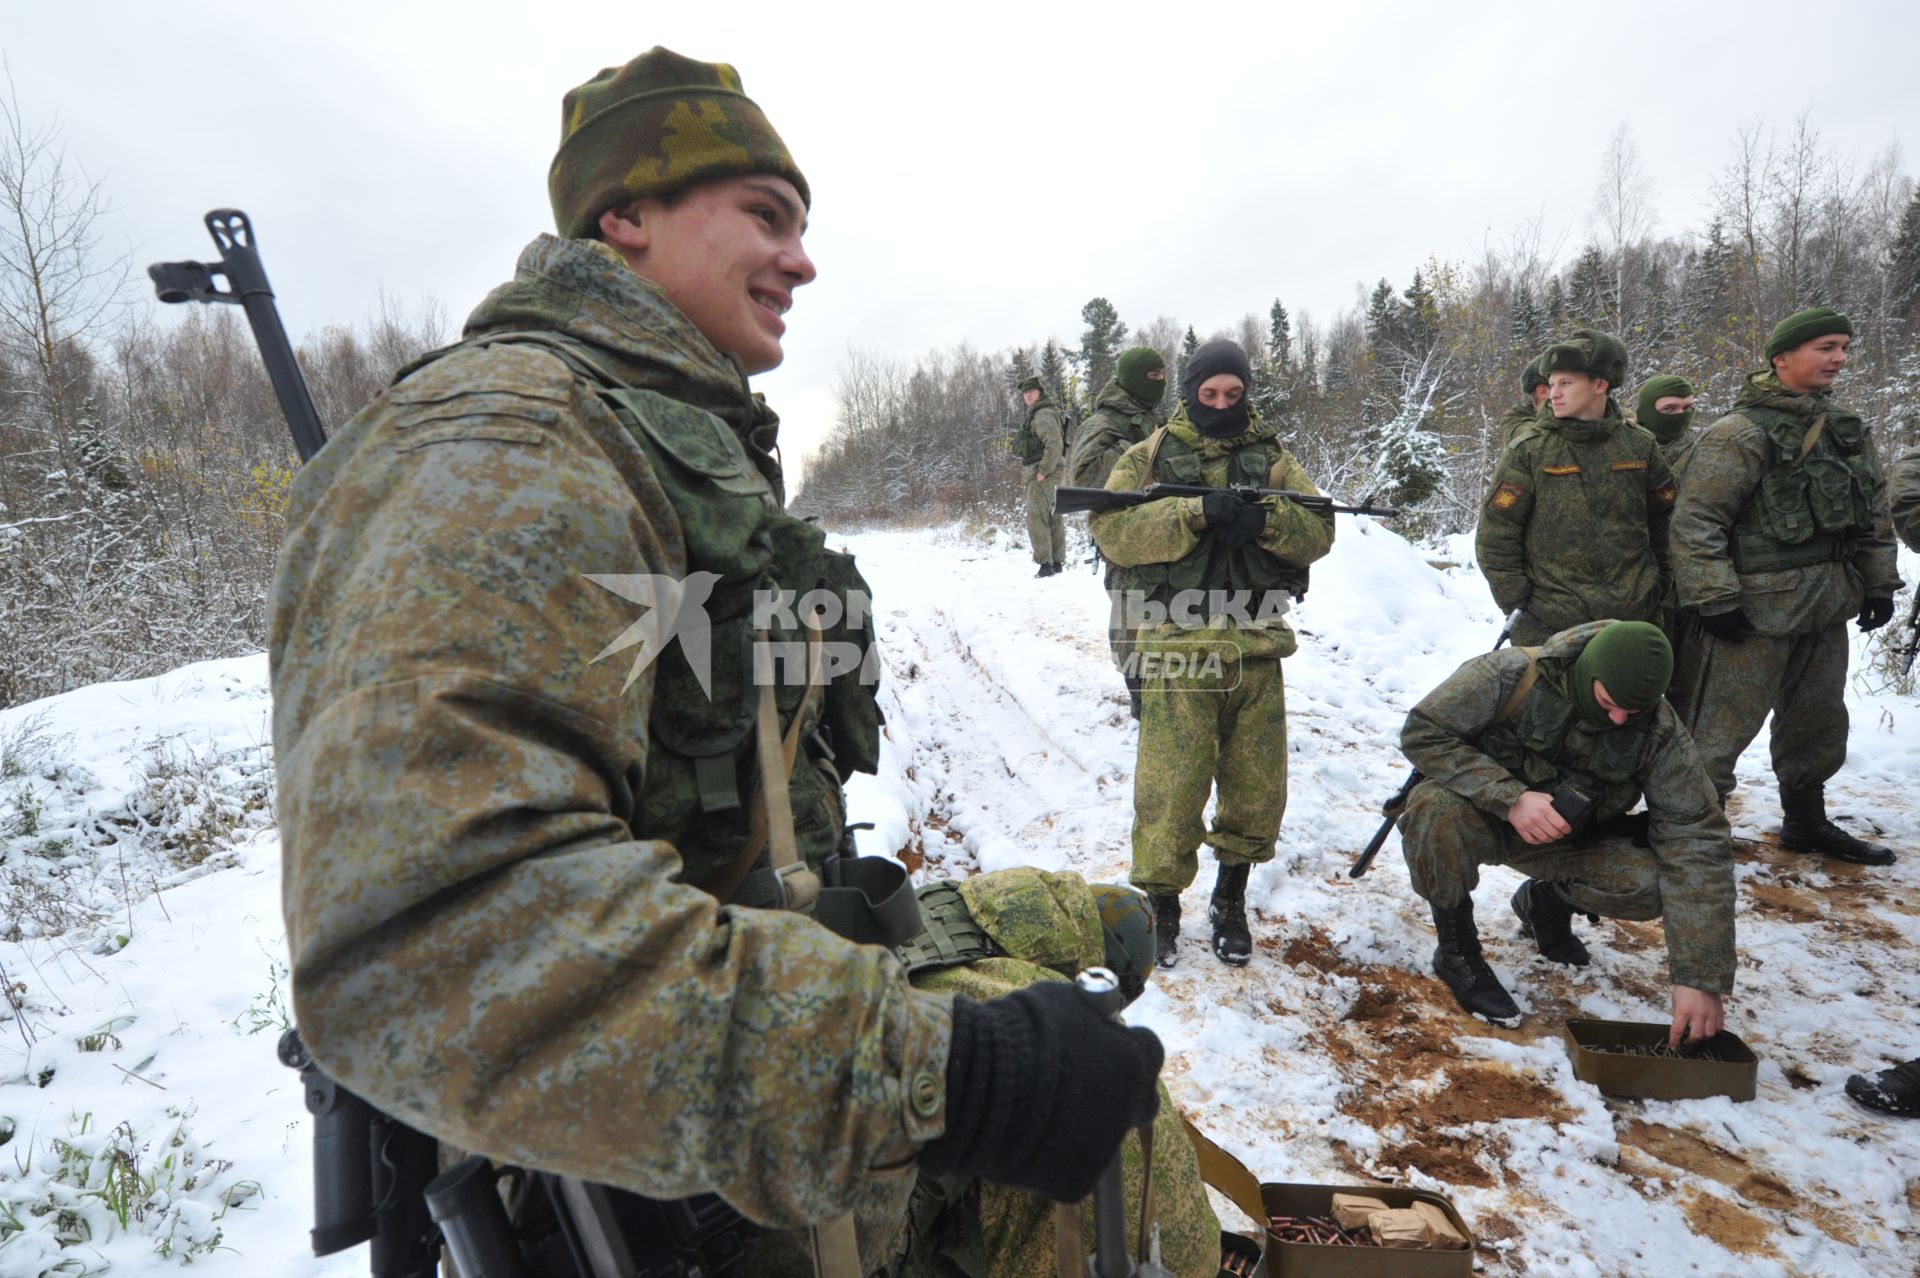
<point x="1507" y="496"/>
<point x="1666" y="493"/>
<point x="1559" y="470"/>
<point x="1630" y="465"/>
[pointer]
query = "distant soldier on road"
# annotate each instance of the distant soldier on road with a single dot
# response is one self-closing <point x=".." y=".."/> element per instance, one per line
<point x="1533" y="385"/>
<point x="1511" y="732"/>
<point x="1122" y="416"/>
<point x="1574" y="528"/>
<point x="1041" y="445"/>
<point x="1782" y="534"/>
<point x="1213" y="712"/>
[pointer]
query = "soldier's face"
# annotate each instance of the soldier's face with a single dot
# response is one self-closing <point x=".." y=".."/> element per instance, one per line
<point x="1615" y="711"/>
<point x="1222" y="390"/>
<point x="1577" y="397"/>
<point x="1031" y="396"/>
<point x="1813" y="366"/>
<point x="728" y="254"/>
<point x="1673" y="405"/>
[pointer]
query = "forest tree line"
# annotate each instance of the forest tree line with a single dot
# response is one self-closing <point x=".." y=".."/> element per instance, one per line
<point x="1400" y="394"/>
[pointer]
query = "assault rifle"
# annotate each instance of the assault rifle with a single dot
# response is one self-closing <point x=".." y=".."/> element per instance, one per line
<point x="1399" y="800"/>
<point x="1071" y="501"/>
<point x="373" y="1176"/>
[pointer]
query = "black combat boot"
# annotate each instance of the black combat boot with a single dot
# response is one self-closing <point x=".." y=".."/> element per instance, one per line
<point x="1044" y="570"/>
<point x="1166" y="929"/>
<point x="1547" y="916"/>
<point x="1807" y="829"/>
<point x="1133" y="695"/>
<point x="1458" y="962"/>
<point x="1893" y="1091"/>
<point x="1232" y="942"/>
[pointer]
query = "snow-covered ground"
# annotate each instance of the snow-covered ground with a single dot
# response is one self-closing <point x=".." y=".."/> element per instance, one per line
<point x="139" y="1093"/>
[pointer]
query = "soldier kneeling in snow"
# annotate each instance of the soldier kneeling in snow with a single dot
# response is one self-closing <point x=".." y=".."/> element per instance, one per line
<point x="1579" y="726"/>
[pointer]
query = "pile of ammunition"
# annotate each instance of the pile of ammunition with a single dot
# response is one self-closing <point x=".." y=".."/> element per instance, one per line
<point x="1314" y="1229"/>
<point x="1663" y="1052"/>
<point x="1362" y="1221"/>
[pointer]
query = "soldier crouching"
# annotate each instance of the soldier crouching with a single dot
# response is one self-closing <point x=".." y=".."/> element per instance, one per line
<point x="1533" y="759"/>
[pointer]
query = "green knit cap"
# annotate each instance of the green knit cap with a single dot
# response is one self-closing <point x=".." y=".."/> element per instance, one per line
<point x="1031" y="383"/>
<point x="1632" y="660"/>
<point x="1590" y="352"/>
<point x="1131" y="372"/>
<point x="1533" y="376"/>
<point x="1804" y="326"/>
<point x="1126" y="932"/>
<point x="1666" y="427"/>
<point x="659" y="124"/>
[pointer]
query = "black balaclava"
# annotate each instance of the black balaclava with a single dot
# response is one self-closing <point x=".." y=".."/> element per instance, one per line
<point x="1206" y="361"/>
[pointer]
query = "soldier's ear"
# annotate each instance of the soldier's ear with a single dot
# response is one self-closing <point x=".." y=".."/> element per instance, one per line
<point x="622" y="228"/>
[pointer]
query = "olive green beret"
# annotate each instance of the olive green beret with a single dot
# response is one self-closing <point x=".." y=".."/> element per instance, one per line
<point x="655" y="126"/>
<point x="1030" y="383"/>
<point x="1804" y="326"/>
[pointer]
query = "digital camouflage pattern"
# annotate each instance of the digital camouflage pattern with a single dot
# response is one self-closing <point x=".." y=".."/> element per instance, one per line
<point x="1048" y="926"/>
<point x="1517" y="419"/>
<point x="1903" y="487"/>
<point x="1795" y="666"/>
<point x="1201" y="728"/>
<point x="1118" y="422"/>
<point x="1574" y="527"/>
<point x="489" y="940"/>
<point x="659" y="124"/>
<point x="1046" y="531"/>
<point x="1455" y="820"/>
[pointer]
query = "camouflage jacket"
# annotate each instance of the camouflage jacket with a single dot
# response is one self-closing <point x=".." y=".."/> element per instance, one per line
<point x="1515" y="419"/>
<point x="1117" y="422"/>
<point x="1451" y="737"/>
<point x="1575" y="525"/>
<point x="1041" y="441"/>
<point x="483" y="943"/>
<point x="1723" y="477"/>
<point x="1175" y="528"/>
<point x="1904" y="488"/>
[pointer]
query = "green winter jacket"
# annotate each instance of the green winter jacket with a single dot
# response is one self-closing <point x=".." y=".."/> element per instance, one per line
<point x="1168" y="547"/>
<point x="1118" y="422"/>
<point x="492" y="835"/>
<point x="1544" y="746"/>
<point x="1797" y="546"/>
<point x="1574" y="527"/>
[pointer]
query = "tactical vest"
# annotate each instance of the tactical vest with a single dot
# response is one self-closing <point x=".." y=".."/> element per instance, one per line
<point x="1026" y="440"/>
<point x="702" y="770"/>
<point x="1211" y="568"/>
<point x="1811" y="508"/>
<point x="1542" y="746"/>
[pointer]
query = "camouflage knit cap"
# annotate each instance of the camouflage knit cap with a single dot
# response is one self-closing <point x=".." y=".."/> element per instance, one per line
<point x="1131" y="372"/>
<point x="1532" y="377"/>
<point x="1666" y="427"/>
<point x="655" y="126"/>
<point x="1633" y="662"/>
<point x="1804" y="326"/>
<point x="1030" y="383"/>
<point x="1126" y="927"/>
<point x="1589" y="352"/>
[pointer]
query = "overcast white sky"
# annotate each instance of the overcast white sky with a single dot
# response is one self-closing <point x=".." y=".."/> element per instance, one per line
<point x="979" y="170"/>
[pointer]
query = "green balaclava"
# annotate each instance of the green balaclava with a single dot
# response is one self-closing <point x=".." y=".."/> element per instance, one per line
<point x="1131" y="372"/>
<point x="659" y="124"/>
<point x="1666" y="427"/>
<point x="1126" y="931"/>
<point x="1632" y="660"/>
<point x="1804" y="326"/>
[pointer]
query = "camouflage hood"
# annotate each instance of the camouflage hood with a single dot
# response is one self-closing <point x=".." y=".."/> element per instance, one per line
<point x="1764" y="389"/>
<point x="1181" y="427"/>
<point x="584" y="290"/>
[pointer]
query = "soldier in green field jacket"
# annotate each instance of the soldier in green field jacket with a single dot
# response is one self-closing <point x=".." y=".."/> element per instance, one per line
<point x="1511" y="731"/>
<point x="1574" y="527"/>
<point x="1122" y="416"/>
<point x="1041" y="445"/>
<point x="509" y="863"/>
<point x="1210" y="579"/>
<point x="1781" y="536"/>
<point x="1533" y="384"/>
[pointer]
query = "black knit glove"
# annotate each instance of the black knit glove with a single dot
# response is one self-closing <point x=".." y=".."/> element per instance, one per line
<point x="1730" y="626"/>
<point x="1221" y="507"/>
<point x="1040" y="1089"/>
<point x="1876" y="613"/>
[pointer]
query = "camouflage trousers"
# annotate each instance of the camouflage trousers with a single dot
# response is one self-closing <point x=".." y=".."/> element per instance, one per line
<point x="1221" y="730"/>
<point x="1801" y="679"/>
<point x="1446" y="840"/>
<point x="1046" y="531"/>
<point x="1121" y="639"/>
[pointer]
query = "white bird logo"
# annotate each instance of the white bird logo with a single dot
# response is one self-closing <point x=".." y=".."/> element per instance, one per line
<point x="676" y="610"/>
